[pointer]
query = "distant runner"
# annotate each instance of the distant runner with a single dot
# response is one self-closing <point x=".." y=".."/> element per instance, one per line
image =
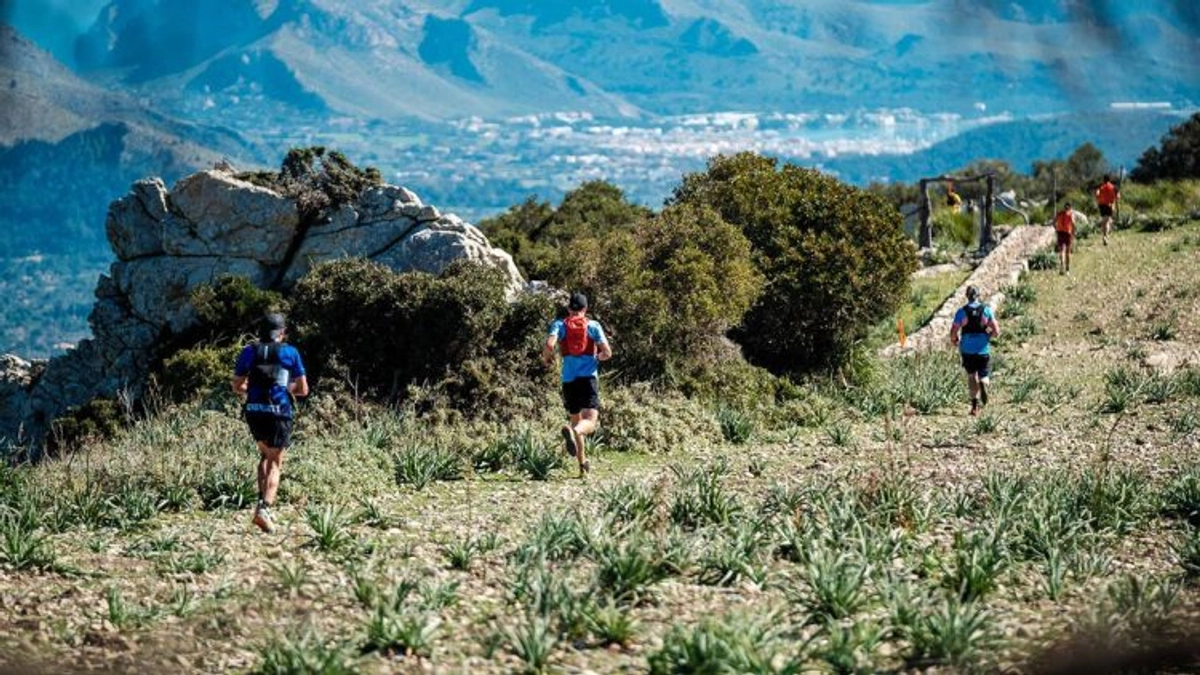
<point x="583" y="346"/>
<point x="1106" y="200"/>
<point x="1064" y="228"/>
<point x="953" y="200"/>
<point x="268" y="373"/>
<point x="972" y="332"/>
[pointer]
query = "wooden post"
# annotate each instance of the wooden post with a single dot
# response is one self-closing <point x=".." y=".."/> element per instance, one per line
<point x="986" y="236"/>
<point x="925" y="233"/>
<point x="1117" y="206"/>
<point x="1053" y="194"/>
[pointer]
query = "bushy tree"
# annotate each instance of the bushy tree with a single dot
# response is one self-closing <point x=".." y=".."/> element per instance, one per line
<point x="834" y="257"/>
<point x="1176" y="157"/>
<point x="540" y="238"/>
<point x="667" y="288"/>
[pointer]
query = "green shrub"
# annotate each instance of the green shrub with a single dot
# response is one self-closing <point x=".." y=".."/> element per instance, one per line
<point x="1044" y="259"/>
<point x="732" y="645"/>
<point x="667" y="289"/>
<point x="318" y="180"/>
<point x="197" y="372"/>
<point x="23" y="547"/>
<point x="98" y="419"/>
<point x="335" y="465"/>
<point x="835" y="258"/>
<point x="402" y="633"/>
<point x="736" y="425"/>
<point x="1181" y="498"/>
<point x="641" y="418"/>
<point x="956" y="633"/>
<point x="304" y="651"/>
<point x="1187" y="550"/>
<point x="958" y="228"/>
<point x="228" y="310"/>
<point x="227" y="487"/>
<point x="454" y="334"/>
<point x="420" y="464"/>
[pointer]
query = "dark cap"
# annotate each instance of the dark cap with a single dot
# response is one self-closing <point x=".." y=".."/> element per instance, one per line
<point x="272" y="326"/>
<point x="972" y="292"/>
<point x="578" y="301"/>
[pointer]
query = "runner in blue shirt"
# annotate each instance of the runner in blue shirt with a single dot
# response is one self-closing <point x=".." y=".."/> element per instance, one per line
<point x="267" y="374"/>
<point x="583" y="346"/>
<point x="972" y="332"/>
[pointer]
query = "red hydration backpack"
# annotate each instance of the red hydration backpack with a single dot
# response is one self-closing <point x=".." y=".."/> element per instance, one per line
<point x="577" y="342"/>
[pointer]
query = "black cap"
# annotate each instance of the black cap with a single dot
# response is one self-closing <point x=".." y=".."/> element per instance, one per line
<point x="272" y="326"/>
<point x="578" y="301"/>
<point x="972" y="292"/>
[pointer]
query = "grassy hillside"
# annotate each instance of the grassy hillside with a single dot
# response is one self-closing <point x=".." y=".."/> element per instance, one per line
<point x="854" y="527"/>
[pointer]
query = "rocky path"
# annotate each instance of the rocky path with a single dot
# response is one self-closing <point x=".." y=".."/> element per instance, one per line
<point x="1001" y="268"/>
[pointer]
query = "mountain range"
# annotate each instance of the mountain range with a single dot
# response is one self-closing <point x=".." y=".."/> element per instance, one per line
<point x="438" y="59"/>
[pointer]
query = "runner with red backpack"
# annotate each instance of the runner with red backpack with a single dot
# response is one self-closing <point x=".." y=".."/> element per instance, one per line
<point x="583" y="345"/>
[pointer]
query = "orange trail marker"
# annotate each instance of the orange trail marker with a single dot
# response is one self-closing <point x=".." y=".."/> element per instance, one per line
<point x="900" y="330"/>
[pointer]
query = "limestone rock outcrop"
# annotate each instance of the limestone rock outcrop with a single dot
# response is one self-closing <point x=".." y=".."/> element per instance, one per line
<point x="210" y="225"/>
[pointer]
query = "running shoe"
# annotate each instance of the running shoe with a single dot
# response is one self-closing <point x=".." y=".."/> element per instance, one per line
<point x="568" y="435"/>
<point x="262" y="519"/>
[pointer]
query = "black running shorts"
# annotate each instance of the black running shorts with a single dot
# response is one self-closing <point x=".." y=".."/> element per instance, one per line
<point x="976" y="363"/>
<point x="1065" y="240"/>
<point x="581" y="393"/>
<point x="276" y="432"/>
<point x="1106" y="210"/>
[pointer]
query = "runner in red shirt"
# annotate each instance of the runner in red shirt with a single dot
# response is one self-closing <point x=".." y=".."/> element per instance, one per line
<point x="1064" y="227"/>
<point x="1106" y="199"/>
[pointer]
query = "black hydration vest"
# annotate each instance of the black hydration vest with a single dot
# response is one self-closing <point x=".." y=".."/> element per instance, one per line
<point x="974" y="322"/>
<point x="267" y="371"/>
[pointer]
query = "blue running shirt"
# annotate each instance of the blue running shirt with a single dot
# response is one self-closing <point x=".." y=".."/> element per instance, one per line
<point x="974" y="343"/>
<point x="277" y="395"/>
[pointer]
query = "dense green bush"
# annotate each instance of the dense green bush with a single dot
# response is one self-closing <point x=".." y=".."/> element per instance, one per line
<point x="835" y="257"/>
<point x="98" y="419"/>
<point x="668" y="288"/>
<point x="230" y="308"/>
<point x="380" y="332"/>
<point x="1177" y="156"/>
<point x="202" y="371"/>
